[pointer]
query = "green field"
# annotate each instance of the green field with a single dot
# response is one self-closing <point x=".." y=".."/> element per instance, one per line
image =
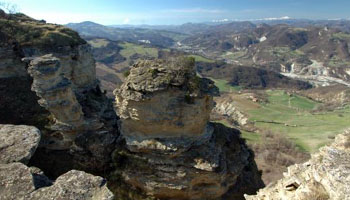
<point x="341" y="36"/>
<point x="224" y="86"/>
<point x="98" y="43"/>
<point x="130" y="49"/>
<point x="202" y="59"/>
<point x="249" y="136"/>
<point x="234" y="55"/>
<point x="290" y="115"/>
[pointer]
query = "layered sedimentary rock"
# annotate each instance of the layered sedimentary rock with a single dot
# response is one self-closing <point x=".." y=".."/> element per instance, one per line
<point x="325" y="176"/>
<point x="172" y="152"/>
<point x="164" y="99"/>
<point x="226" y="108"/>
<point x="55" y="91"/>
<point x="17" y="181"/>
<point x="57" y="96"/>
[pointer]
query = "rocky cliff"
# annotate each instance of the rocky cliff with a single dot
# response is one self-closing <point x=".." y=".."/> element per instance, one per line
<point x="48" y="80"/>
<point x="325" y="176"/>
<point x="171" y="150"/>
<point x="163" y="146"/>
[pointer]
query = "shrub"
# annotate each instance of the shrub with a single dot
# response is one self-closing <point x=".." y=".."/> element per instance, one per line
<point x="126" y="73"/>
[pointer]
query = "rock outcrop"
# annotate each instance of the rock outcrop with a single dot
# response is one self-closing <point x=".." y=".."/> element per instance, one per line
<point x="57" y="96"/>
<point x="171" y="151"/>
<point x="75" y="185"/>
<point x="164" y="99"/>
<point x="76" y="119"/>
<point x="225" y="107"/>
<point x="325" y="176"/>
<point x="17" y="181"/>
<point x="18" y="143"/>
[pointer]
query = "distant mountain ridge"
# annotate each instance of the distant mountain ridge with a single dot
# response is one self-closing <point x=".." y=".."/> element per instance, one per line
<point x="159" y="38"/>
<point x="192" y="28"/>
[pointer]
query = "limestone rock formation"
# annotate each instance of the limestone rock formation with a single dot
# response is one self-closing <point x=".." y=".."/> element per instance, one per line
<point x="172" y="152"/>
<point x="325" y="176"/>
<point x="225" y="107"/>
<point x="18" y="143"/>
<point x="164" y="97"/>
<point x="18" y="181"/>
<point x="57" y="96"/>
<point x="55" y="91"/>
<point x="77" y="121"/>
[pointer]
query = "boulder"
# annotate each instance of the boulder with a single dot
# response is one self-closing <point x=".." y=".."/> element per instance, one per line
<point x="18" y="143"/>
<point x="16" y="181"/>
<point x="75" y="185"/>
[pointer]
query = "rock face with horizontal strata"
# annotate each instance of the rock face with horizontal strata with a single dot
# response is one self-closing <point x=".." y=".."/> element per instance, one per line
<point x="171" y="151"/>
<point x="325" y="176"/>
<point x="55" y="92"/>
<point x="164" y="99"/>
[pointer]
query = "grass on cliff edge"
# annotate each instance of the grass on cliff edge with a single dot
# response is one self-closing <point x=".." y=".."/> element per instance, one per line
<point x="292" y="116"/>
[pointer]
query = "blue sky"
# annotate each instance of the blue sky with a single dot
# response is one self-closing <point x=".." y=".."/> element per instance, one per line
<point x="110" y="12"/>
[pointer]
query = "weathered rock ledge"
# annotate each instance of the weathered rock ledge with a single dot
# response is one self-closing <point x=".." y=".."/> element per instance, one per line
<point x="325" y="176"/>
<point x="17" y="181"/>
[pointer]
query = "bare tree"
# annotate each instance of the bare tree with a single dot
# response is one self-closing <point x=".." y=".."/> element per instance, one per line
<point x="9" y="8"/>
<point x="7" y="14"/>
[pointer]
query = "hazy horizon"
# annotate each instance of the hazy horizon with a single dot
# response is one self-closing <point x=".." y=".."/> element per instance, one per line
<point x="166" y="12"/>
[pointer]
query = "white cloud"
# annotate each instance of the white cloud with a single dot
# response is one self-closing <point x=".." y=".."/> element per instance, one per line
<point x="220" y="20"/>
<point x="274" y="18"/>
<point x="195" y="10"/>
<point x="126" y="21"/>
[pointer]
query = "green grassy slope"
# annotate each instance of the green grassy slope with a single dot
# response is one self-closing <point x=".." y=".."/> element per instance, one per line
<point x="129" y="49"/>
<point x="290" y="115"/>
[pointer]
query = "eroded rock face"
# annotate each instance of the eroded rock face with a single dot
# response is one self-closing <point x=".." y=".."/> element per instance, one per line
<point x="55" y="92"/>
<point x="77" y="63"/>
<point x="164" y="99"/>
<point x="205" y="169"/>
<point x="18" y="143"/>
<point x="171" y="151"/>
<point x="325" y="176"/>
